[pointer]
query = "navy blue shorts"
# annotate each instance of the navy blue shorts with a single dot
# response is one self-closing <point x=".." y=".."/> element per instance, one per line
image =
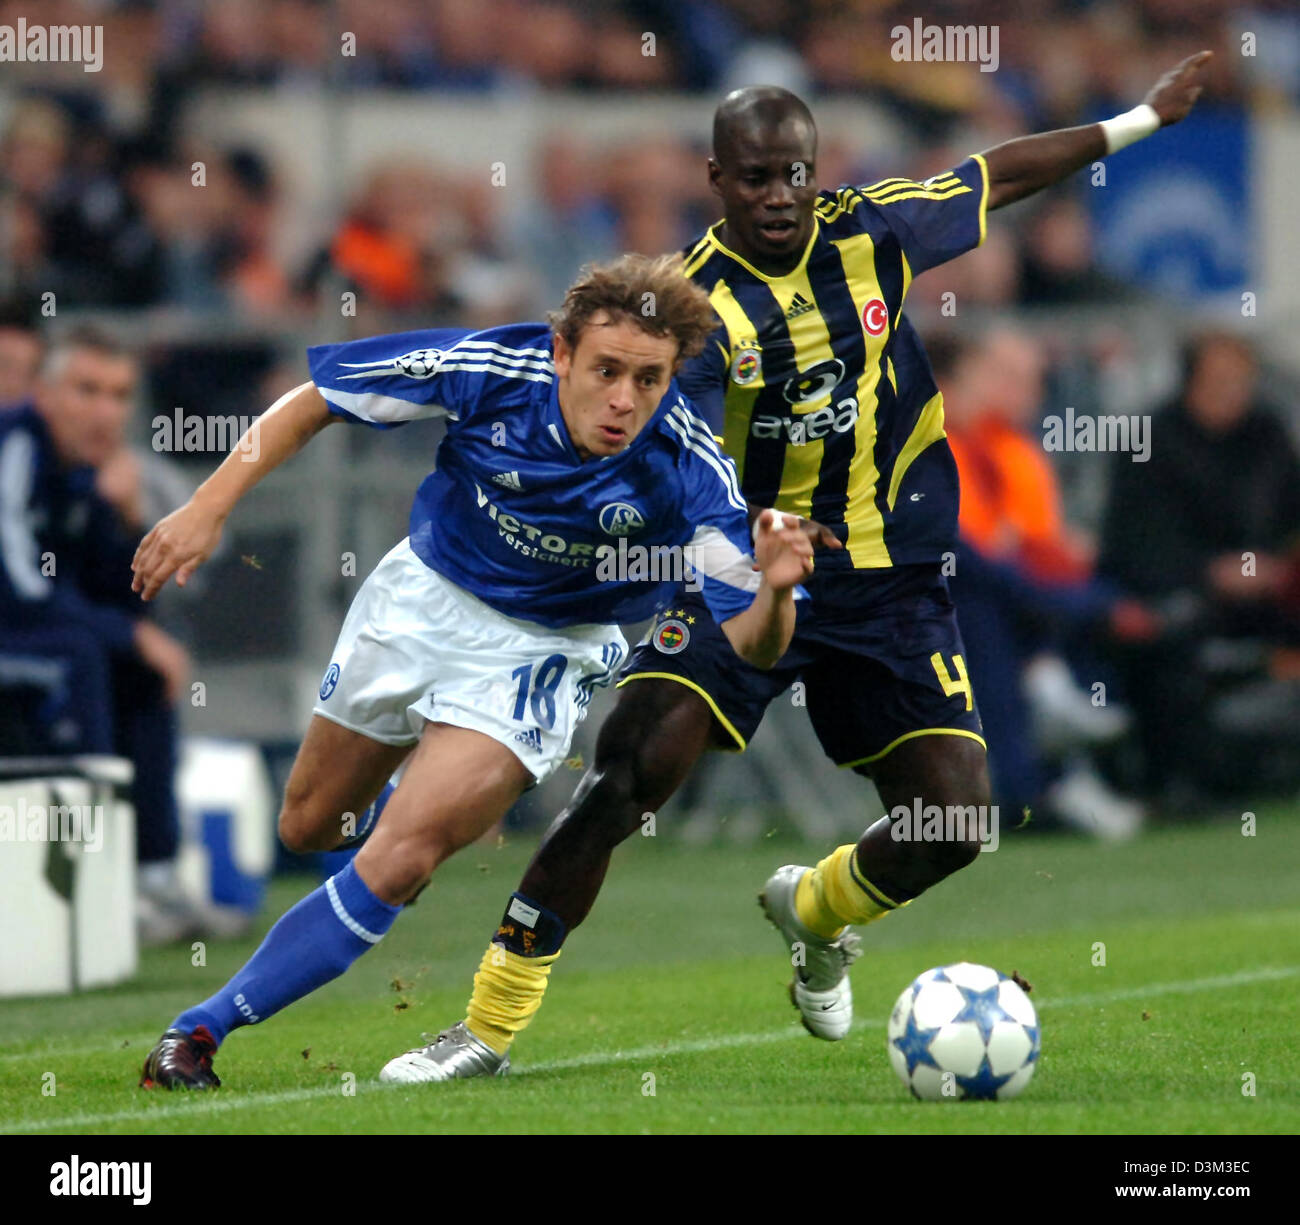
<point x="876" y="654"/>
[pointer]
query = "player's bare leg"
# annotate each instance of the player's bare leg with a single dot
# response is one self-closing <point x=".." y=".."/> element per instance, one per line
<point x="475" y="780"/>
<point x="863" y="882"/>
<point x="814" y="907"/>
<point x="943" y="770"/>
<point x="337" y="773"/>
<point x="457" y="785"/>
<point x="644" y="751"/>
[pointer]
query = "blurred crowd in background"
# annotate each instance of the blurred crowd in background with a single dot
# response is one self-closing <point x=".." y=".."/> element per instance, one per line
<point x="1073" y="571"/>
<point x="95" y="169"/>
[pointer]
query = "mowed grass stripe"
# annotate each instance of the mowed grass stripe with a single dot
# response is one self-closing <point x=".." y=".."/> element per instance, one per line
<point x="1242" y="978"/>
<point x="203" y="1106"/>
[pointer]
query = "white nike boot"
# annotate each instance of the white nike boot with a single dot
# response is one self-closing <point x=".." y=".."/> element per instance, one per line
<point x="820" y="989"/>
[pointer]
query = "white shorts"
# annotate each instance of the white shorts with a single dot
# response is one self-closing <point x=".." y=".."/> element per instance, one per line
<point x="415" y="647"/>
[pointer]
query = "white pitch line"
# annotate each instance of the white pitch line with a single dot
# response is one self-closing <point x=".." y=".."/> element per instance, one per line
<point x="99" y="1048"/>
<point x="1240" y="979"/>
<point x="202" y="1108"/>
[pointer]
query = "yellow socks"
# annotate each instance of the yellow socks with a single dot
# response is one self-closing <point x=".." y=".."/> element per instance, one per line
<point x="508" y="990"/>
<point x="835" y="894"/>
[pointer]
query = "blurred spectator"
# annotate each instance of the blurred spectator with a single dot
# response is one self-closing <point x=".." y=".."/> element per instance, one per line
<point x="252" y="277"/>
<point x="1059" y="265"/>
<point x="421" y="246"/>
<point x="549" y="44"/>
<point x="20" y="354"/>
<point x="96" y="203"/>
<point x="76" y="232"/>
<point x="1010" y="504"/>
<point x="1211" y="527"/>
<point x="493" y="284"/>
<point x="106" y="678"/>
<point x="32" y="152"/>
<point x="1026" y="602"/>
<point x="213" y="227"/>
<point x="568" y="222"/>
<point x="394" y="247"/>
<point x="988" y="276"/>
<point x="659" y="191"/>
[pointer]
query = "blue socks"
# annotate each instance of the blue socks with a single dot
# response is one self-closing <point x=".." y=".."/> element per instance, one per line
<point x="312" y="943"/>
<point x="368" y="819"/>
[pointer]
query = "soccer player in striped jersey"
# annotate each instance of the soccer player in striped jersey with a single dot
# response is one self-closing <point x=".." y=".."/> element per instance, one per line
<point x="818" y="386"/>
<point x="471" y="651"/>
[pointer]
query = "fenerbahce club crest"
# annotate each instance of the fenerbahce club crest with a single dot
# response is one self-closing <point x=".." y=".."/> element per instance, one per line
<point x="746" y="366"/>
<point x="671" y="636"/>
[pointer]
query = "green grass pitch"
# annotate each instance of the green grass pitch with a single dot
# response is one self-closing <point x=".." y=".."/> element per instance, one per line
<point x="668" y="1011"/>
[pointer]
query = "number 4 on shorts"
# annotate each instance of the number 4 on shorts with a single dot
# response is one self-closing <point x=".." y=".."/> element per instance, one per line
<point x="953" y="685"/>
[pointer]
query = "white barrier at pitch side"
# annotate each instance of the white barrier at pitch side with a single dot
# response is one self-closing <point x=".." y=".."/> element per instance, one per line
<point x="227" y="813"/>
<point x="67" y="874"/>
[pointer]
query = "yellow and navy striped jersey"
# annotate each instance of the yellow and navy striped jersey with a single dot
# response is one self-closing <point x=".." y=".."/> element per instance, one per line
<point x="816" y="383"/>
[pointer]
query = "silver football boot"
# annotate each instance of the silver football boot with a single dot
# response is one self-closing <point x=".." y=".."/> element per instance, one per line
<point x="452" y="1055"/>
<point x="820" y="989"/>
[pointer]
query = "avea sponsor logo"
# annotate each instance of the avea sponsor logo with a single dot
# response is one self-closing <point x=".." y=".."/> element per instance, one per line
<point x="811" y="427"/>
<point x="815" y="383"/>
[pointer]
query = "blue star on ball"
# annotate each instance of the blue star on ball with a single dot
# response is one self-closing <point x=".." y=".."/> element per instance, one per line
<point x="984" y="1085"/>
<point x="1035" y="1042"/>
<point x="983" y="1008"/>
<point x="914" y="1045"/>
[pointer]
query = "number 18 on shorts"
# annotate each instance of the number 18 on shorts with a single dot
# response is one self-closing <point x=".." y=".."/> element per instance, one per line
<point x="414" y="647"/>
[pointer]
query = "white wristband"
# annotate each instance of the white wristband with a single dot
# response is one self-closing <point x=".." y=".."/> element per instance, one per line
<point x="1130" y="127"/>
<point x="785" y="521"/>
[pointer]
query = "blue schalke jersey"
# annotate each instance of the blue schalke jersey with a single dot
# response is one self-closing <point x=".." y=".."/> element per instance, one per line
<point x="513" y="515"/>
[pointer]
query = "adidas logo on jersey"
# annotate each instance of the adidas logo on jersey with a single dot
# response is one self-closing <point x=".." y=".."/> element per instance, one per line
<point x="799" y="305"/>
<point x="531" y="739"/>
<point x="508" y="480"/>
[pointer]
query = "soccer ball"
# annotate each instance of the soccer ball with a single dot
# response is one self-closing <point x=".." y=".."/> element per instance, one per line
<point x="963" y="1031"/>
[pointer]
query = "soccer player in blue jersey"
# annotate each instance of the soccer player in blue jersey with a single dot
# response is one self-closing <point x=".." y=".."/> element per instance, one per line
<point x="817" y="384"/>
<point x="471" y="650"/>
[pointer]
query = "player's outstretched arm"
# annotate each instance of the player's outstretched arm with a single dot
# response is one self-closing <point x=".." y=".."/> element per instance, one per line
<point x="783" y="552"/>
<point x="181" y="542"/>
<point x="1023" y="166"/>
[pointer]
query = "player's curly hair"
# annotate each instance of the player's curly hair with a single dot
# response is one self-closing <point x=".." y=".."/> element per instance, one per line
<point x="648" y="290"/>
